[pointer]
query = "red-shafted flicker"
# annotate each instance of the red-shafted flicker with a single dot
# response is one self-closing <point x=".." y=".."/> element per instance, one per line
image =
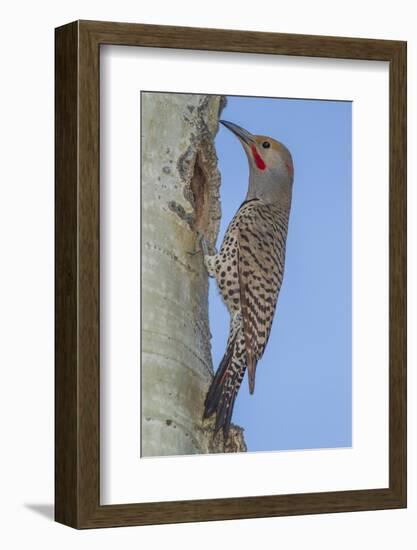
<point x="249" y="268"/>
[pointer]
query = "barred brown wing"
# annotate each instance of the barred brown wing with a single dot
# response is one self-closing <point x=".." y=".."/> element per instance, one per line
<point x="261" y="255"/>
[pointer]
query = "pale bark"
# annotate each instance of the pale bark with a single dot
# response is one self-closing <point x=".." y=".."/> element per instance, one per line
<point x="180" y="195"/>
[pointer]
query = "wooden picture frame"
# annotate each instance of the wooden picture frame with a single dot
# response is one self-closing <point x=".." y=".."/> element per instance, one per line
<point x="77" y="382"/>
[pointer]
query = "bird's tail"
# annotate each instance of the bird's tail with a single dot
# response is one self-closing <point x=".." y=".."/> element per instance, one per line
<point x="224" y="387"/>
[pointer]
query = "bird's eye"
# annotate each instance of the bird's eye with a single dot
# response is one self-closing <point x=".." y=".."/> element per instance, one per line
<point x="266" y="144"/>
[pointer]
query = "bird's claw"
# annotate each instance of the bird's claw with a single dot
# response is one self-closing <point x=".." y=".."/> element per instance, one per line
<point x="201" y="245"/>
<point x="204" y="247"/>
<point x="194" y="252"/>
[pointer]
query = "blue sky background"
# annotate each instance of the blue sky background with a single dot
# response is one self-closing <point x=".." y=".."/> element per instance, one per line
<point x="303" y="396"/>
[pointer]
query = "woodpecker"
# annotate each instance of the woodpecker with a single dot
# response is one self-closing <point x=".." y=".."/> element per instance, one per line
<point x="249" y="268"/>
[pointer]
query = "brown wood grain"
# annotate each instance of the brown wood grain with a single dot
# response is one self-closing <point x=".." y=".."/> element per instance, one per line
<point x="77" y="406"/>
<point x="66" y="237"/>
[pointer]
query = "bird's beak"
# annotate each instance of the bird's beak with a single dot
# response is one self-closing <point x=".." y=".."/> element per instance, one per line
<point x="241" y="133"/>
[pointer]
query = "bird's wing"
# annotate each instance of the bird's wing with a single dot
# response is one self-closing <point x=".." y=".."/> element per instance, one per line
<point x="261" y="252"/>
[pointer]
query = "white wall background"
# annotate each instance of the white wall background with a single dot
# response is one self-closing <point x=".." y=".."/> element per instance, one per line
<point x="26" y="273"/>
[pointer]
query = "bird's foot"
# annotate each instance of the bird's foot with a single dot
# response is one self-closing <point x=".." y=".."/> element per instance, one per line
<point x="194" y="252"/>
<point x="199" y="247"/>
<point x="204" y="247"/>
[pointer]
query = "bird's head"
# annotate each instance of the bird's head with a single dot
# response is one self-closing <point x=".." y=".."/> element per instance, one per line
<point x="270" y="165"/>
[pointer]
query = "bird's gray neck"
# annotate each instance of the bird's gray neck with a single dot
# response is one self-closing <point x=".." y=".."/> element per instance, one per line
<point x="270" y="190"/>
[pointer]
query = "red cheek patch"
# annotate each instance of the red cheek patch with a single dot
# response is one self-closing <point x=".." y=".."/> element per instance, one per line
<point x="258" y="159"/>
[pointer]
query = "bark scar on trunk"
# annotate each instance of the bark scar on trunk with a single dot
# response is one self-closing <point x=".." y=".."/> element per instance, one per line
<point x="197" y="167"/>
<point x="199" y="192"/>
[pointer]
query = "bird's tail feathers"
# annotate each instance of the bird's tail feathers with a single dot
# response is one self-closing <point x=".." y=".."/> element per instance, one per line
<point x="224" y="387"/>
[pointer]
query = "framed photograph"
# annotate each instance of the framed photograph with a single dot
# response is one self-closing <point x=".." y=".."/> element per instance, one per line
<point x="230" y="274"/>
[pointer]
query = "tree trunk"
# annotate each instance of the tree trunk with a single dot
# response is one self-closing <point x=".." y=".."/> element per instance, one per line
<point x="180" y="196"/>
